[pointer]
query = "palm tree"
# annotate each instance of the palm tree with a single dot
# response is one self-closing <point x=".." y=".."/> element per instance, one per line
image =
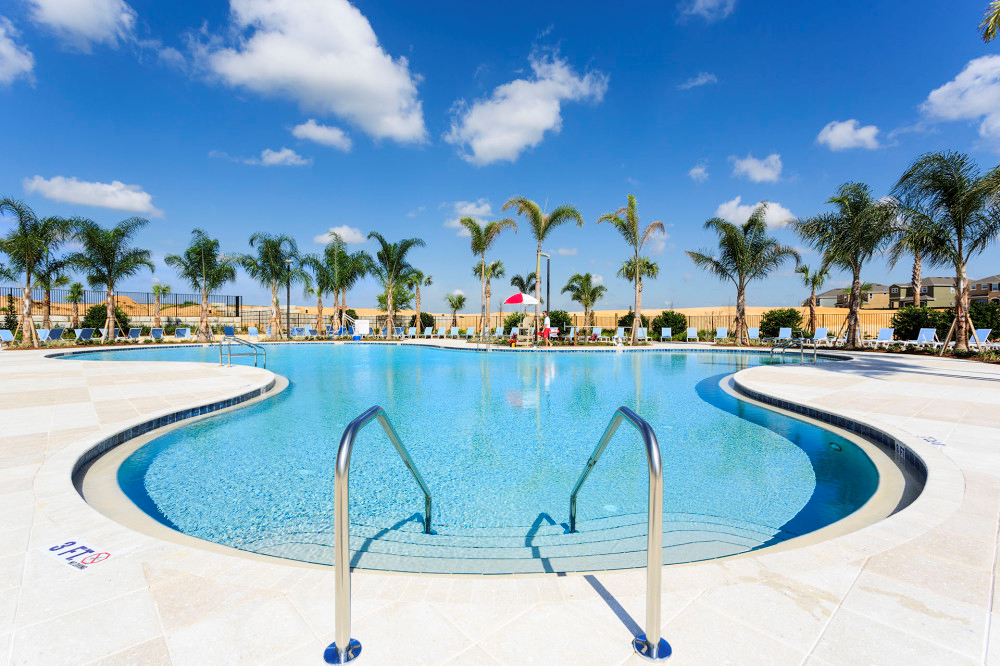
<point x="524" y="284"/>
<point x="914" y="235"/>
<point x="634" y="269"/>
<point x="583" y="290"/>
<point x="108" y="257"/>
<point x="991" y="21"/>
<point x="391" y="269"/>
<point x="270" y="268"/>
<point x="456" y="302"/>
<point x="417" y="280"/>
<point x="28" y="245"/>
<point x="541" y="226"/>
<point x="159" y="291"/>
<point x="205" y="269"/>
<point x="860" y="228"/>
<point x="50" y="274"/>
<point x="354" y="267"/>
<point x="964" y="211"/>
<point x="75" y="296"/>
<point x="326" y="270"/>
<point x="746" y="253"/>
<point x="814" y="280"/>
<point x="482" y="238"/>
<point x="628" y="227"/>
<point x="487" y="272"/>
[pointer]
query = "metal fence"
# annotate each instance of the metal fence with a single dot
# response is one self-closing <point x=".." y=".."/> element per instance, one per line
<point x="133" y="303"/>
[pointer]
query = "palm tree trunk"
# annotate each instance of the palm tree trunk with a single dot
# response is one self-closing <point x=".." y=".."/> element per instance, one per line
<point x="76" y="315"/>
<point x="915" y="279"/>
<point x="961" y="309"/>
<point x="388" y="311"/>
<point x="275" y="311"/>
<point x="812" y="311"/>
<point x="637" y="322"/>
<point x="204" y="334"/>
<point x="156" y="311"/>
<point x="486" y="322"/>
<point x="853" y="317"/>
<point x="110" y="321"/>
<point x="417" y="321"/>
<point x="47" y="309"/>
<point x="483" y="310"/>
<point x="741" y="308"/>
<point x="27" y="321"/>
<point x="319" y="312"/>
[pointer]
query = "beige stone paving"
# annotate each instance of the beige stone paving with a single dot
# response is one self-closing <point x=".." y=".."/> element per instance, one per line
<point x="919" y="587"/>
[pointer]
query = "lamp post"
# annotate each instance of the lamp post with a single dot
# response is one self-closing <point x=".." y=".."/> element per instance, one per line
<point x="548" y="281"/>
<point x="288" y="299"/>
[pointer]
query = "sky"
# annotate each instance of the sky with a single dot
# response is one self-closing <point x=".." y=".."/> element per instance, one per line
<point x="301" y="116"/>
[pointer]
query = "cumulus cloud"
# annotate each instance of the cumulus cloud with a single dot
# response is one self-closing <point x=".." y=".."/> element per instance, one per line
<point x="699" y="173"/>
<point x="516" y="115"/>
<point x="268" y="157"/>
<point x="458" y="292"/>
<point x="658" y="243"/>
<point x="351" y="235"/>
<point x="115" y="195"/>
<point x="597" y="278"/>
<point x="841" y="135"/>
<point x="16" y="61"/>
<point x="972" y="95"/>
<point x="710" y="10"/>
<point x="732" y="211"/>
<point x="477" y="210"/>
<point x="703" y="79"/>
<point x="566" y="251"/>
<point x="325" y="135"/>
<point x="767" y="170"/>
<point x="325" y="55"/>
<point x="83" y="23"/>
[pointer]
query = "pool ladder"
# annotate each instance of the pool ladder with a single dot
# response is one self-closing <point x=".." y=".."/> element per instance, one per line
<point x="785" y="345"/>
<point x="226" y="351"/>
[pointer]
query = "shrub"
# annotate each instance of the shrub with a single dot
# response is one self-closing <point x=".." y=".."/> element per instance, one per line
<point x="426" y="321"/>
<point x="349" y="312"/>
<point x="774" y="320"/>
<point x="986" y="315"/>
<point x="10" y="314"/>
<point x="675" y="321"/>
<point x="909" y="320"/>
<point x="512" y="320"/>
<point x="627" y="319"/>
<point x="560" y="319"/>
<point x="97" y="317"/>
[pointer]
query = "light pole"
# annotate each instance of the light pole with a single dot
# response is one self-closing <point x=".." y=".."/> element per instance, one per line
<point x="548" y="281"/>
<point x="288" y="299"/>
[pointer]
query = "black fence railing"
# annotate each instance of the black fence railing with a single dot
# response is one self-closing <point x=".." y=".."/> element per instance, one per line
<point x="133" y="303"/>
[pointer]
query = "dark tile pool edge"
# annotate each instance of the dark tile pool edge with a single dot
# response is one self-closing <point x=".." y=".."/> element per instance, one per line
<point x="145" y="427"/>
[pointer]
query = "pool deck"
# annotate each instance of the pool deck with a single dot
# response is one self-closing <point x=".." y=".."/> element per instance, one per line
<point x="916" y="588"/>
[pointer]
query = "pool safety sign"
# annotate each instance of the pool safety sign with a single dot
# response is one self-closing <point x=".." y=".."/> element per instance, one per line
<point x="77" y="554"/>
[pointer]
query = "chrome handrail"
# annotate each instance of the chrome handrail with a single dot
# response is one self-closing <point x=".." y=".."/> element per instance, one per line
<point x="349" y="648"/>
<point x="649" y="645"/>
<point x="228" y="342"/>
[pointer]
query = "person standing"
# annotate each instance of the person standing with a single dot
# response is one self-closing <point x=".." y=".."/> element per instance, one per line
<point x="546" y="329"/>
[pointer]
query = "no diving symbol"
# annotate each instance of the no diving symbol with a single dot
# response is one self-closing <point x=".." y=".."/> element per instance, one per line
<point x="95" y="558"/>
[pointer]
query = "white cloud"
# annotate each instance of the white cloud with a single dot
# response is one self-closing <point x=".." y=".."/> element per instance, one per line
<point x="475" y="209"/>
<point x="324" y="55"/>
<point x="268" y="157"/>
<point x="972" y="95"/>
<point x="458" y="292"/>
<point x="658" y="243"/>
<point x="776" y="215"/>
<point x="416" y="211"/>
<point x="596" y="278"/>
<point x="703" y="79"/>
<point x="710" y="10"/>
<point x="115" y="195"/>
<point x="326" y="135"/>
<point x="517" y="114"/>
<point x="766" y="170"/>
<point x="16" y="61"/>
<point x="86" y="22"/>
<point x="841" y="135"/>
<point x="699" y="173"/>
<point x="171" y="57"/>
<point x="566" y="251"/>
<point x="351" y="235"/>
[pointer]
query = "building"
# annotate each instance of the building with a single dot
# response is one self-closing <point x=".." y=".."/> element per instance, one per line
<point x="935" y="292"/>
<point x="828" y="299"/>
<point x="876" y="298"/>
<point x="985" y="289"/>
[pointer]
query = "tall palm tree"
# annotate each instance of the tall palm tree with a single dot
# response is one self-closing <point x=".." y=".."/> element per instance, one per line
<point x="205" y="269"/>
<point x="391" y="269"/>
<point x="541" y="226"/>
<point x="487" y="273"/>
<point x="524" y="284"/>
<point x="482" y="238"/>
<point x="628" y="227"/>
<point x="27" y="245"/>
<point x="75" y="296"/>
<point x="270" y="268"/>
<point x="354" y="267"/>
<point x="418" y="280"/>
<point x="991" y="21"/>
<point x="964" y="209"/>
<point x="108" y="257"/>
<point x="814" y="280"/>
<point x="159" y="291"/>
<point x="746" y="253"/>
<point x="582" y="289"/>
<point x="914" y="235"/>
<point x="326" y="270"/>
<point x="456" y="302"/>
<point x="634" y="269"/>
<point x="860" y="228"/>
<point x="50" y="274"/>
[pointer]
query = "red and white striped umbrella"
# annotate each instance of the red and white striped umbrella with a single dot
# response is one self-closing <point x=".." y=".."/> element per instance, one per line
<point x="521" y="299"/>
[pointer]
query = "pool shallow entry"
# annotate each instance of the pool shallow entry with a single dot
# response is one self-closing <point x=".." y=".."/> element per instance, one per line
<point x="500" y="439"/>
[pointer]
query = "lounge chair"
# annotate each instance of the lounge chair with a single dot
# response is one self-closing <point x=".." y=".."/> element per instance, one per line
<point x="55" y="335"/>
<point x="721" y="333"/>
<point x="692" y="334"/>
<point x="599" y="334"/>
<point x="571" y="334"/>
<point x="514" y="331"/>
<point x="640" y="335"/>
<point x="412" y="332"/>
<point x="43" y="334"/>
<point x="252" y="333"/>
<point x="229" y="331"/>
<point x="470" y="332"/>
<point x="83" y="334"/>
<point x="182" y="334"/>
<point x="753" y="334"/>
<point x="884" y="338"/>
<point x="133" y="334"/>
<point x="156" y="334"/>
<point x="666" y="334"/>
<point x="313" y="333"/>
<point x="498" y="333"/>
<point x="428" y="332"/>
<point x="6" y="337"/>
<point x="784" y="335"/>
<point x="819" y="337"/>
<point x="620" y="334"/>
<point x="440" y="332"/>
<point x="983" y="335"/>
<point x="926" y="336"/>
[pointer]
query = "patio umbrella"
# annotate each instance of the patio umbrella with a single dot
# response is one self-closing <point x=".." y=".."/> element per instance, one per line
<point x="521" y="299"/>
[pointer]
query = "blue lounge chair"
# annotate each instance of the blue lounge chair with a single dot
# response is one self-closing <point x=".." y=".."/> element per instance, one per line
<point x="43" y="335"/>
<point x="133" y="334"/>
<point x="753" y="334"/>
<point x="819" y="337"/>
<point x="640" y="335"/>
<point x="454" y="332"/>
<point x="440" y="332"/>
<point x="926" y="336"/>
<point x="182" y="334"/>
<point x="83" y="334"/>
<point x="229" y="331"/>
<point x="721" y="333"/>
<point x="470" y="332"/>
<point x="515" y="331"/>
<point x="666" y="334"/>
<point x="620" y="333"/>
<point x="55" y="335"/>
<point x="784" y="335"/>
<point x="983" y="334"/>
<point x="428" y="332"/>
<point x="156" y="334"/>
<point x="412" y="333"/>
<point x="6" y="337"/>
<point x="884" y="338"/>
<point x="313" y="332"/>
<point x="600" y="335"/>
<point x="252" y="333"/>
<point x="692" y="334"/>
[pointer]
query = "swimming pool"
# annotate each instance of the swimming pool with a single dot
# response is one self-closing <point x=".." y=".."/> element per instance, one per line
<point x="500" y="439"/>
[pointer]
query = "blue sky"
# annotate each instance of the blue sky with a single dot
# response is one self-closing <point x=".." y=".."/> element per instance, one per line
<point x="301" y="116"/>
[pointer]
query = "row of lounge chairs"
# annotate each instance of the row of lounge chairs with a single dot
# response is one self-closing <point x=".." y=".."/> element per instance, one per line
<point x="47" y="336"/>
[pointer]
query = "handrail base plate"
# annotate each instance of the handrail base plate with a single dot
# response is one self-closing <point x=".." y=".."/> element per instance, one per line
<point x="644" y="649"/>
<point x="334" y="656"/>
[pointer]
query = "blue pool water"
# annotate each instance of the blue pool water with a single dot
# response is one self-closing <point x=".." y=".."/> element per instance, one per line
<point x="500" y="439"/>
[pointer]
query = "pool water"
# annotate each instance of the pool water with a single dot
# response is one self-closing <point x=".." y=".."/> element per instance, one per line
<point x="500" y="439"/>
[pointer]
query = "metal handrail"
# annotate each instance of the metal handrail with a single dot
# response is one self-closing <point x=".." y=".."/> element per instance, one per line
<point x="228" y="342"/>
<point x="785" y="345"/>
<point x="649" y="645"/>
<point x="349" y="648"/>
